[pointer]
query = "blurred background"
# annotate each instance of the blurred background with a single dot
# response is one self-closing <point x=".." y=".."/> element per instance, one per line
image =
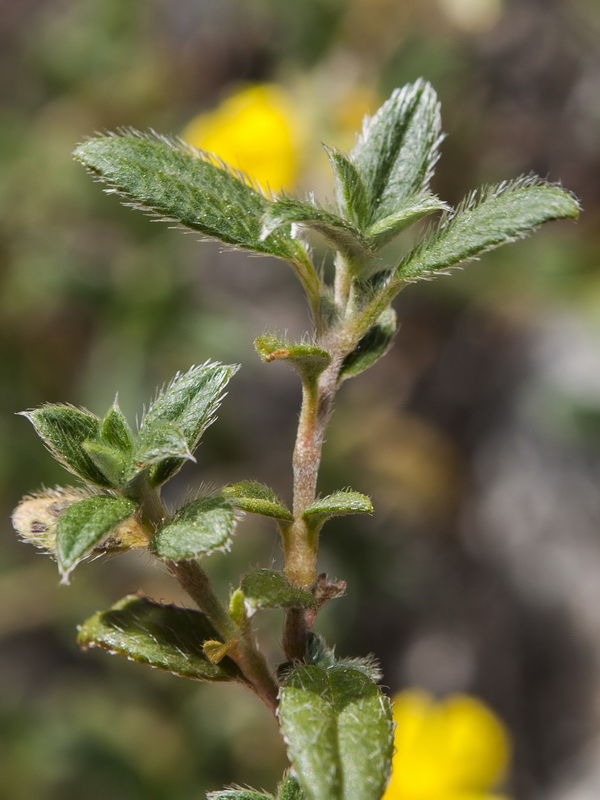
<point x="478" y="436"/>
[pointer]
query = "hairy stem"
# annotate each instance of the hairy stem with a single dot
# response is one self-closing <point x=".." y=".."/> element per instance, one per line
<point x="343" y="282"/>
<point x="195" y="582"/>
<point x="300" y="545"/>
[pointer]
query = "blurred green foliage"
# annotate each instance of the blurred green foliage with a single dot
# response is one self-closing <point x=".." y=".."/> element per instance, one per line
<point x="95" y="299"/>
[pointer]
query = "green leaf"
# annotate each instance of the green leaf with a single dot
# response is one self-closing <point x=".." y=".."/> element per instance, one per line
<point x="84" y="525"/>
<point x="338" y="728"/>
<point x="385" y="229"/>
<point x="341" y="234"/>
<point x="199" y="528"/>
<point x="167" y="637"/>
<point x="319" y="653"/>
<point x="187" y="405"/>
<point x="178" y="183"/>
<point x="163" y="444"/>
<point x="485" y="220"/>
<point x="64" y="429"/>
<point x="256" y="498"/>
<point x="238" y="794"/>
<point x="373" y="345"/>
<point x="110" y="461"/>
<point x="350" y="191"/>
<point x="237" y="609"/>
<point x="337" y="504"/>
<point x="398" y="148"/>
<point x="115" y="431"/>
<point x="289" y="789"/>
<point x="265" y="588"/>
<point x="368" y="665"/>
<point x="215" y="651"/>
<point x="111" y="450"/>
<point x="174" y="181"/>
<point x="308" y="359"/>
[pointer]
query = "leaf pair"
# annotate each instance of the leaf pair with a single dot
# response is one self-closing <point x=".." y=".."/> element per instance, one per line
<point x="337" y="725"/>
<point x="260" y="499"/>
<point x="338" y="728"/>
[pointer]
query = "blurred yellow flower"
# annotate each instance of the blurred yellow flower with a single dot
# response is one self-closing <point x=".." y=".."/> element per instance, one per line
<point x="254" y="130"/>
<point x="453" y="750"/>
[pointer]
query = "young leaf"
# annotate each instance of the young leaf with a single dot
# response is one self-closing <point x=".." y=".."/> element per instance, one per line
<point x="160" y="444"/>
<point x="350" y="191"/>
<point x="338" y="728"/>
<point x="110" y="461"/>
<point x="318" y="651"/>
<point x="178" y="183"/>
<point x="398" y="148"/>
<point x="115" y="431"/>
<point x="256" y="498"/>
<point x="84" y="525"/>
<point x="237" y="609"/>
<point x="485" y="220"/>
<point x="35" y="518"/>
<point x="167" y="637"/>
<point x="265" y="588"/>
<point x="238" y="794"/>
<point x="308" y="359"/>
<point x="337" y="504"/>
<point x="64" y="429"/>
<point x="289" y="789"/>
<point x="188" y="404"/>
<point x="215" y="651"/>
<point x="373" y="346"/>
<point x="368" y="665"/>
<point x="385" y="229"/>
<point x="341" y="234"/>
<point x="198" y="529"/>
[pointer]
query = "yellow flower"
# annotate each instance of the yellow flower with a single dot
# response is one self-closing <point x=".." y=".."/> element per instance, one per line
<point x="255" y="131"/>
<point x="453" y="750"/>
